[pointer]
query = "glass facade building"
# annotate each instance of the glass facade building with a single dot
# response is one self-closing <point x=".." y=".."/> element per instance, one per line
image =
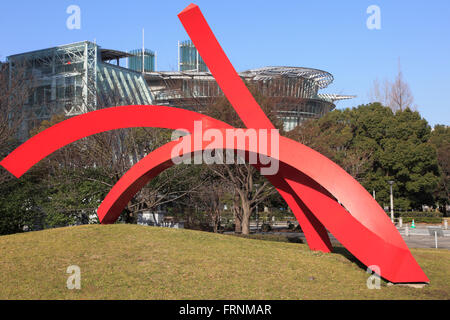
<point x="74" y="79"/>
<point x="189" y="58"/>
<point x="77" y="78"/>
<point x="135" y="61"/>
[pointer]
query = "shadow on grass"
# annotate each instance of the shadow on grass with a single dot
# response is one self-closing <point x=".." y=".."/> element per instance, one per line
<point x="338" y="249"/>
<point x="271" y="237"/>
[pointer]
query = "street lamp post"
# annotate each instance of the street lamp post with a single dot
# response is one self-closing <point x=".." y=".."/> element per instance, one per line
<point x="257" y="218"/>
<point x="256" y="185"/>
<point x="392" y="200"/>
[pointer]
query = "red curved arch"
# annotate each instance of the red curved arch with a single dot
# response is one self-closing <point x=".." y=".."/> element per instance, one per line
<point x="48" y="141"/>
<point x="373" y="239"/>
<point x="386" y="248"/>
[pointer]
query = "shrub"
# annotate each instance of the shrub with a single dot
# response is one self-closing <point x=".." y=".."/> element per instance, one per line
<point x="229" y="226"/>
<point x="418" y="214"/>
<point x="422" y="220"/>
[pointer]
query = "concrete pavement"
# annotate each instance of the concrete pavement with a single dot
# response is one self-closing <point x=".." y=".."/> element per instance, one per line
<point x="416" y="238"/>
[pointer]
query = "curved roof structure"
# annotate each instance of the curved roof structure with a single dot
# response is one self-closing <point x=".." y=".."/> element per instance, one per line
<point x="322" y="78"/>
<point x="334" y="97"/>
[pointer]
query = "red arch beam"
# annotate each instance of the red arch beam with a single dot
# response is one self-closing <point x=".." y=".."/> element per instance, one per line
<point x="75" y="128"/>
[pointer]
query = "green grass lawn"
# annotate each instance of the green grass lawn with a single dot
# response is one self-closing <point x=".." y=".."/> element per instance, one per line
<point x="136" y="262"/>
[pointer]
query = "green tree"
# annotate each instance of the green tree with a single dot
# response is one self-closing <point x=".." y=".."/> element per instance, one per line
<point x="21" y="204"/>
<point x="375" y="145"/>
<point x="440" y="139"/>
<point x="74" y="195"/>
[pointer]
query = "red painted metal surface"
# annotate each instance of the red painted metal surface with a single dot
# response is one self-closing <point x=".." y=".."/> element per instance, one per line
<point x="306" y="179"/>
<point x="249" y="111"/>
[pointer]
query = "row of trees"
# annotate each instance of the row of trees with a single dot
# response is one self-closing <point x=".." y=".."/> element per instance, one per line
<point x="376" y="145"/>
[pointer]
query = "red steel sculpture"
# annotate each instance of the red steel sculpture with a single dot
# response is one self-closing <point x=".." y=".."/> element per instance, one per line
<point x="309" y="182"/>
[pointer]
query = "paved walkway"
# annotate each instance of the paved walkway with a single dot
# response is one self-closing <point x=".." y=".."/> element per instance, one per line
<point x="421" y="238"/>
<point x="417" y="238"/>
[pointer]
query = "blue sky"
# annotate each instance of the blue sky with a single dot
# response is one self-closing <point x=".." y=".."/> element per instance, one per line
<point x="328" y="34"/>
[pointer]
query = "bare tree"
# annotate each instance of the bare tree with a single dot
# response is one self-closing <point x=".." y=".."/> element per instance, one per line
<point x="401" y="97"/>
<point x="249" y="189"/>
<point x="381" y="92"/>
<point x="211" y="196"/>
<point x="356" y="162"/>
<point x="15" y="89"/>
<point x="396" y="95"/>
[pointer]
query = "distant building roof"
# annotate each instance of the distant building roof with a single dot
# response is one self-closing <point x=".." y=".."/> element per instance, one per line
<point x="322" y="78"/>
<point x="109" y="54"/>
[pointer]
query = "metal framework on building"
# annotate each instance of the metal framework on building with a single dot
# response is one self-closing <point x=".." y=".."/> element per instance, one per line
<point x="74" y="79"/>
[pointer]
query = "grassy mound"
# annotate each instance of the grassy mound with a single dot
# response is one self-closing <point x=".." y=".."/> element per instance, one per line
<point x="137" y="262"/>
